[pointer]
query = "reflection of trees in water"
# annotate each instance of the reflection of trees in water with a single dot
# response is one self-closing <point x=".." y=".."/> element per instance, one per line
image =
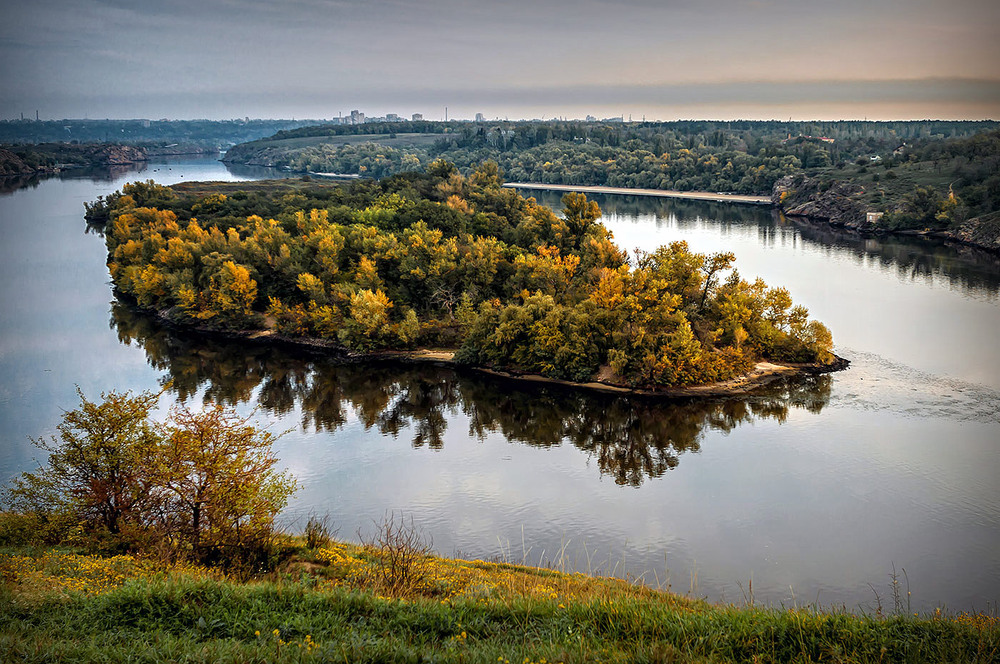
<point x="632" y="439"/>
<point x="259" y="172"/>
<point x="103" y="174"/>
<point x="664" y="208"/>
<point x="967" y="267"/>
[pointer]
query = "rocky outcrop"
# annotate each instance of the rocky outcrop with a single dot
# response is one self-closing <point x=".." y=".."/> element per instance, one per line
<point x="179" y="149"/>
<point x="257" y="154"/>
<point x="981" y="231"/>
<point x="114" y="155"/>
<point x="55" y="157"/>
<point x="838" y="204"/>
<point x="11" y="164"/>
<point x="801" y="196"/>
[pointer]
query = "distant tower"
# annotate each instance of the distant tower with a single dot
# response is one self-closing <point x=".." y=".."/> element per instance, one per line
<point x="445" y="113"/>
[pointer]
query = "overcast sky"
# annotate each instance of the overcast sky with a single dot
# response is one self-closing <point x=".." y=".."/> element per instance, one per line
<point x="663" y="59"/>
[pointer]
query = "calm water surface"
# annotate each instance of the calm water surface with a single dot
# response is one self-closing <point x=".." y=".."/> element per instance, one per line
<point x="813" y="491"/>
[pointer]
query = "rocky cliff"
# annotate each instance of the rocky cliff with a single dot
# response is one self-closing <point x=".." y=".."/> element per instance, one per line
<point x="11" y="164"/>
<point x="113" y="155"/>
<point x="840" y="204"/>
<point x="981" y="231"/>
<point x="801" y="196"/>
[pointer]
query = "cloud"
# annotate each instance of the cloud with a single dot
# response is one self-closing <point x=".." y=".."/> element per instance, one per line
<point x="107" y="56"/>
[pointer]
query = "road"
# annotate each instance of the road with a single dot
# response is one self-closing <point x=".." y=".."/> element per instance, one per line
<point x="661" y="193"/>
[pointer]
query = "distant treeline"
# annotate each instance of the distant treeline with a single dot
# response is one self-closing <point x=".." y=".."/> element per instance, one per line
<point x="740" y="156"/>
<point x="47" y="157"/>
<point x="143" y="132"/>
<point x="438" y="258"/>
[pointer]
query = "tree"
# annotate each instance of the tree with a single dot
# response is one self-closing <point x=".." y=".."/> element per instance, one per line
<point x="219" y="486"/>
<point x="98" y="468"/>
<point x="579" y="212"/>
<point x="203" y="483"/>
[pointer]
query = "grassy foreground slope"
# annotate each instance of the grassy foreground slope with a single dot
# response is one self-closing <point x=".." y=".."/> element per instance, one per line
<point x="347" y="603"/>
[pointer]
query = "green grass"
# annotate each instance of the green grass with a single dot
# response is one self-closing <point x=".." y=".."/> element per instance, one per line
<point x="890" y="185"/>
<point x="467" y="612"/>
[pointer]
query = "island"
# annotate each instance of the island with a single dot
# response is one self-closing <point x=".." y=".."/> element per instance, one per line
<point x="459" y="264"/>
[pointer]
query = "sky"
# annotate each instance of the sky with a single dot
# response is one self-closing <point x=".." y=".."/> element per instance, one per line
<point x="653" y="59"/>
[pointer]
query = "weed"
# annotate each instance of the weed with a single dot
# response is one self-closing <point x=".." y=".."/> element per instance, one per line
<point x="318" y="531"/>
<point x="399" y="549"/>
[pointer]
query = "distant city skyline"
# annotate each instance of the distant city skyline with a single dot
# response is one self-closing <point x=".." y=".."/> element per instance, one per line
<point x="665" y="60"/>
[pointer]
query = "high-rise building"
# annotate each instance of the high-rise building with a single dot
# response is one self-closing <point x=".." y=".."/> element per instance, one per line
<point x="480" y="117"/>
<point x="417" y="117"/>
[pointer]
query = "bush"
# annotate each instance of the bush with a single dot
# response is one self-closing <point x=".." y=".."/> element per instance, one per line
<point x="399" y="549"/>
<point x="318" y="531"/>
<point x="201" y="485"/>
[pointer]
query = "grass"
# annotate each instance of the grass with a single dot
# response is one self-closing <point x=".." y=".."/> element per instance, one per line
<point x="334" y="604"/>
<point x="885" y="184"/>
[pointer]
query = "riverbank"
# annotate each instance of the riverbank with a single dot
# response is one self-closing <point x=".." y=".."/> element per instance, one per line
<point x="57" y="157"/>
<point x="340" y="602"/>
<point x="859" y="203"/>
<point x="763" y="373"/>
<point x="657" y="193"/>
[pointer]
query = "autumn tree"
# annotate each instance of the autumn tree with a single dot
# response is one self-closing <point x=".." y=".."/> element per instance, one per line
<point x="203" y="483"/>
<point x="218" y="481"/>
<point x="98" y="465"/>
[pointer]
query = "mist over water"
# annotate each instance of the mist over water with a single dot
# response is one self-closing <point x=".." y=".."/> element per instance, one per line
<point x="813" y="489"/>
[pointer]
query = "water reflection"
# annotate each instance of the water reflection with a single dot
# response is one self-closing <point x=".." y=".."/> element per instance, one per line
<point x="631" y="439"/>
<point x="973" y="270"/>
<point x="101" y="174"/>
<point x="244" y="172"/>
<point x="970" y="268"/>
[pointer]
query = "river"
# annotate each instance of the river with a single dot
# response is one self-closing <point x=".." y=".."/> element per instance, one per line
<point x="806" y="493"/>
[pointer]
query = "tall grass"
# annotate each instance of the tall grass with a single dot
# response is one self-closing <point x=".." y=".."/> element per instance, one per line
<point x="463" y="612"/>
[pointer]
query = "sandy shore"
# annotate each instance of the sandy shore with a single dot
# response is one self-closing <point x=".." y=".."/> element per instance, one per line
<point x="762" y="374"/>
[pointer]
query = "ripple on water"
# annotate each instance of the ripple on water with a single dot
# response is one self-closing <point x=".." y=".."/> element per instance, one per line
<point x="875" y="383"/>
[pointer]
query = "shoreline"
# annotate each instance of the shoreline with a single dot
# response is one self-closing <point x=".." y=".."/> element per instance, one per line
<point x="744" y="199"/>
<point x="945" y="236"/>
<point x="763" y="373"/>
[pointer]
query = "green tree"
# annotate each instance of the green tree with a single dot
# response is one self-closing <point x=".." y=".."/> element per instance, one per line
<point x="203" y="483"/>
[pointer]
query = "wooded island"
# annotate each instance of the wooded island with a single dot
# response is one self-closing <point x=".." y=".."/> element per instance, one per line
<point x="437" y="259"/>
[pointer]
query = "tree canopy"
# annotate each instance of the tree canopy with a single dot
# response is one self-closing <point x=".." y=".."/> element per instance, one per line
<point x="437" y="258"/>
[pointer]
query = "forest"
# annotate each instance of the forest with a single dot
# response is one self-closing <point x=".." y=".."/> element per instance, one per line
<point x="741" y="156"/>
<point x="446" y="260"/>
<point x="142" y="132"/>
